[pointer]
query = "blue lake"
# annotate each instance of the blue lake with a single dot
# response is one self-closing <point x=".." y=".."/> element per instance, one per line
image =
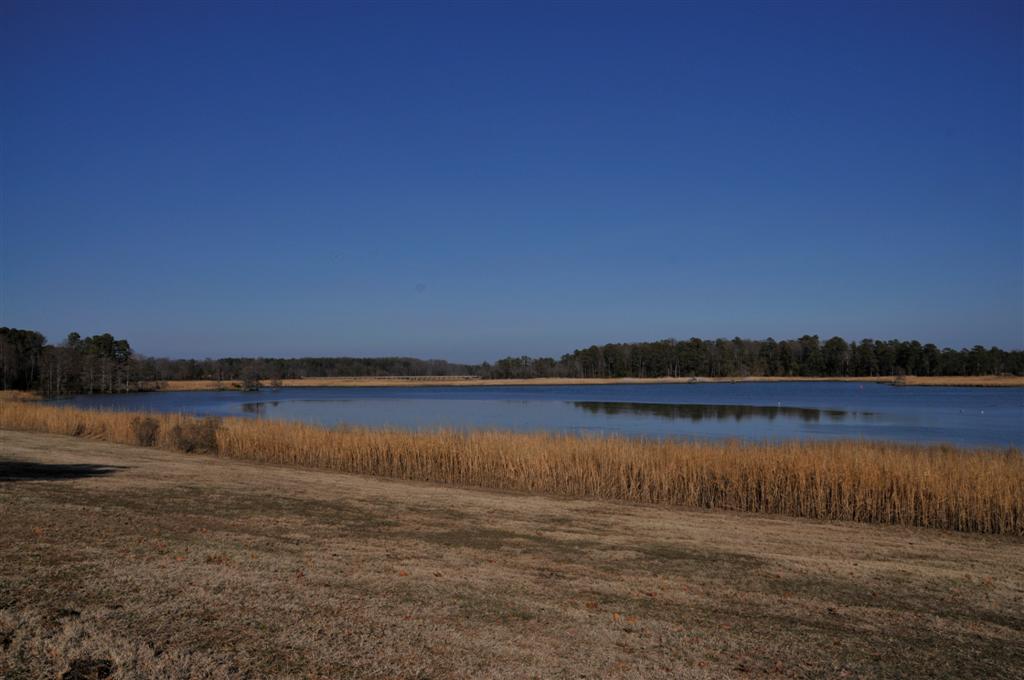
<point x="824" y="410"/>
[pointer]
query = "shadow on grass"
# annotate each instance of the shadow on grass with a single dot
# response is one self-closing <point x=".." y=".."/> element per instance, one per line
<point x="21" y="471"/>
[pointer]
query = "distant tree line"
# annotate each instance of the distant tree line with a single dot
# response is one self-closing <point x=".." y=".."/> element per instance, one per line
<point x="101" y="363"/>
<point x="238" y="368"/>
<point x="806" y="356"/>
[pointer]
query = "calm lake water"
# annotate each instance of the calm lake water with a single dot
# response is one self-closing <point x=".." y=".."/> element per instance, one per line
<point x="827" y="410"/>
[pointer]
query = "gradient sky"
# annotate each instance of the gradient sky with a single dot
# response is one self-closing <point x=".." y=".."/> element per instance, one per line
<point x="468" y="181"/>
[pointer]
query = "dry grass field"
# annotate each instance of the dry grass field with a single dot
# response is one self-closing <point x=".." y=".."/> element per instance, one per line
<point x="965" y="380"/>
<point x="878" y="482"/>
<point x="142" y="563"/>
<point x="469" y="381"/>
<point x="18" y="395"/>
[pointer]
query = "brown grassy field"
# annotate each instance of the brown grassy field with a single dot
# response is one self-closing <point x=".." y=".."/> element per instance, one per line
<point x="152" y="564"/>
<point x="964" y="380"/>
<point x="18" y="395"/>
<point x="433" y="381"/>
<point x="936" y="486"/>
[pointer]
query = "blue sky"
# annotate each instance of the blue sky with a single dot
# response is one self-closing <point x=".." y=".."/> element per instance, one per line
<point x="468" y="181"/>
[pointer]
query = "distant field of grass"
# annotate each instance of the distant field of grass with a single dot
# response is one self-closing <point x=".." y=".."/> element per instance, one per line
<point x="888" y="483"/>
<point x="958" y="380"/>
<point x="18" y="395"/>
<point x="469" y="381"/>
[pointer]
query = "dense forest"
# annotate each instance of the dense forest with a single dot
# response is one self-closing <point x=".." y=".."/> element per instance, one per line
<point x="101" y="363"/>
<point x="806" y="356"/>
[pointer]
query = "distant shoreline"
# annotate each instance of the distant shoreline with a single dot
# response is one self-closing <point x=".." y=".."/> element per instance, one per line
<point x="447" y="381"/>
<point x="471" y="381"/>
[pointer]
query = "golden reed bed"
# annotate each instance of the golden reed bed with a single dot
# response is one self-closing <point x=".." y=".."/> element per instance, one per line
<point x="931" y="486"/>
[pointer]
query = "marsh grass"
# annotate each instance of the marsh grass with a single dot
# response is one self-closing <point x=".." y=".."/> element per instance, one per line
<point x="18" y="395"/>
<point x="933" y="486"/>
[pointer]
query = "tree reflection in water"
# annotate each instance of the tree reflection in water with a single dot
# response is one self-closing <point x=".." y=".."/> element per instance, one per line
<point x="697" y="412"/>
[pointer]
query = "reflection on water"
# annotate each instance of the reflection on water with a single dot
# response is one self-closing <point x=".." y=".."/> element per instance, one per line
<point x="756" y="411"/>
<point x="257" y="407"/>
<point x="698" y="412"/>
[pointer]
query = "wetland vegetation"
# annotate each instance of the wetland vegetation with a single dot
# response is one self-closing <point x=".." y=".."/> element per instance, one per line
<point x="932" y="486"/>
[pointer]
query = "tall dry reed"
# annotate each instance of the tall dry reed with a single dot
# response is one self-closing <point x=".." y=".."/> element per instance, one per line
<point x="932" y="486"/>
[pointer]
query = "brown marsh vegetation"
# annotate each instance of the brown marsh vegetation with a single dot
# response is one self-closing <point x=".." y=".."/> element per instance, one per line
<point x="143" y="563"/>
<point x="19" y="395"/>
<point x="932" y="486"/>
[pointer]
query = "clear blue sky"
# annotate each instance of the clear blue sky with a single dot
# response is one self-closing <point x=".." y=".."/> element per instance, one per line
<point x="467" y="181"/>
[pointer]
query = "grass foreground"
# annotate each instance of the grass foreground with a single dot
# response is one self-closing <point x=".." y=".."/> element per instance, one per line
<point x="933" y="486"/>
<point x="131" y="562"/>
